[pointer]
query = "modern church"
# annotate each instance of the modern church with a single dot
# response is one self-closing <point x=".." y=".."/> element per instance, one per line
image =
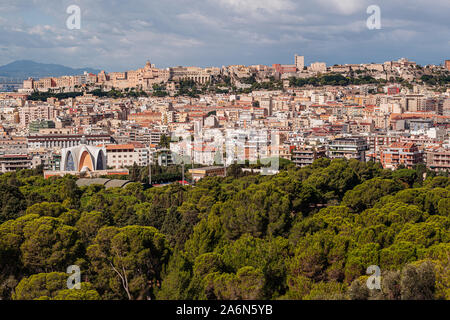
<point x="83" y="158"/>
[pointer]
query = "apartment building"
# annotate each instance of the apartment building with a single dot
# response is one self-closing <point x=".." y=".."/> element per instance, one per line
<point x="305" y="155"/>
<point x="438" y="158"/>
<point x="145" y="136"/>
<point x="204" y="154"/>
<point x="13" y="145"/>
<point x="125" y="155"/>
<point x="36" y="125"/>
<point x="30" y="113"/>
<point x="401" y="153"/>
<point x="10" y="163"/>
<point x="299" y="62"/>
<point x="377" y="140"/>
<point x="348" y="148"/>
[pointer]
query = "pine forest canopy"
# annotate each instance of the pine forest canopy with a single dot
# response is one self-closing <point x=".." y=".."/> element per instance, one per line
<point x="305" y="233"/>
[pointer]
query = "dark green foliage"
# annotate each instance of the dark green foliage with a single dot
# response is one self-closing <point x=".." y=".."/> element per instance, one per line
<point x="128" y="262"/>
<point x="308" y="233"/>
<point x="43" y="96"/>
<point x="333" y="80"/>
<point x="12" y="202"/>
<point x="366" y="194"/>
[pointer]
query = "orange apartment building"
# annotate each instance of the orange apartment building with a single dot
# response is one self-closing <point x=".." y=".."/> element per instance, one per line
<point x="400" y="153"/>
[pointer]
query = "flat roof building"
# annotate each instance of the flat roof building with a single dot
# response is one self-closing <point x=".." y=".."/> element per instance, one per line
<point x="10" y="163"/>
<point x="348" y="148"/>
<point x="200" y="173"/>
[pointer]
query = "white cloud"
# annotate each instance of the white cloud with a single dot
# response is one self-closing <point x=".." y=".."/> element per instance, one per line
<point x="270" y="6"/>
<point x="345" y="7"/>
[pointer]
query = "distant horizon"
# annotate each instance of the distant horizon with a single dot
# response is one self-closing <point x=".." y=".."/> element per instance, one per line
<point x="213" y="66"/>
<point x="116" y="36"/>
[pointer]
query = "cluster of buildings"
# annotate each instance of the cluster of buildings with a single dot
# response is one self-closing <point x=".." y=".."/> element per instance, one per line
<point x="393" y="124"/>
<point x="143" y="79"/>
<point x="148" y="76"/>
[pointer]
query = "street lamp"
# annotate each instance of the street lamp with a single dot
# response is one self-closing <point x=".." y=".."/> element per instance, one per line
<point x="150" y="160"/>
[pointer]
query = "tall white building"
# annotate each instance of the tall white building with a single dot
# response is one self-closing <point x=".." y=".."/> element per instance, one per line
<point x="299" y="62"/>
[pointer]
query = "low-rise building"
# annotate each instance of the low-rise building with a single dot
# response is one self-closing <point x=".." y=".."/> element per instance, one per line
<point x="200" y="173"/>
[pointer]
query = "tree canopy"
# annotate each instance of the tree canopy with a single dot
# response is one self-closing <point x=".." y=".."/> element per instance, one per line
<point x="308" y="233"/>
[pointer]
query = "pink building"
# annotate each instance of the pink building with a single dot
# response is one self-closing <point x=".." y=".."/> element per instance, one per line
<point x="284" y="68"/>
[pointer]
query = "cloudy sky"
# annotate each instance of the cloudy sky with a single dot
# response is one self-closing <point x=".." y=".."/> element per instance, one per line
<point x="118" y="35"/>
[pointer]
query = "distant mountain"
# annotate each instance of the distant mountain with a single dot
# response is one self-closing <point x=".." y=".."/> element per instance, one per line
<point x="22" y="69"/>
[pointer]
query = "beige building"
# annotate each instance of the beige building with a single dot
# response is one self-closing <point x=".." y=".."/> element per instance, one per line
<point x="64" y="82"/>
<point x="44" y="84"/>
<point x="30" y="113"/>
<point x="125" y="155"/>
<point x="10" y="163"/>
<point x="196" y="74"/>
<point x="200" y="173"/>
<point x="28" y="84"/>
<point x="318" y="67"/>
<point x="143" y="78"/>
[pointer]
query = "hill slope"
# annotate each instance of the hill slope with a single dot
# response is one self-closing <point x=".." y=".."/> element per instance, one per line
<point x="22" y="69"/>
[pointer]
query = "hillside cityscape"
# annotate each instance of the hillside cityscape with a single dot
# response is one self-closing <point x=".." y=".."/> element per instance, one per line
<point x="282" y="182"/>
<point x="395" y="113"/>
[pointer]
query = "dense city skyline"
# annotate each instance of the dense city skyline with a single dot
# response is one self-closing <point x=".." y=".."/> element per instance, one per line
<point x="115" y="36"/>
<point x="261" y="151"/>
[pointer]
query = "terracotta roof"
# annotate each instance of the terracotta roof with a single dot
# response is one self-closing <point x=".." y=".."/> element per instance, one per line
<point x="119" y="146"/>
<point x="402" y="145"/>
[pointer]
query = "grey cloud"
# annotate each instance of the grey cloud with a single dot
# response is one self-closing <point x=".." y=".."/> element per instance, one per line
<point x="118" y="34"/>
